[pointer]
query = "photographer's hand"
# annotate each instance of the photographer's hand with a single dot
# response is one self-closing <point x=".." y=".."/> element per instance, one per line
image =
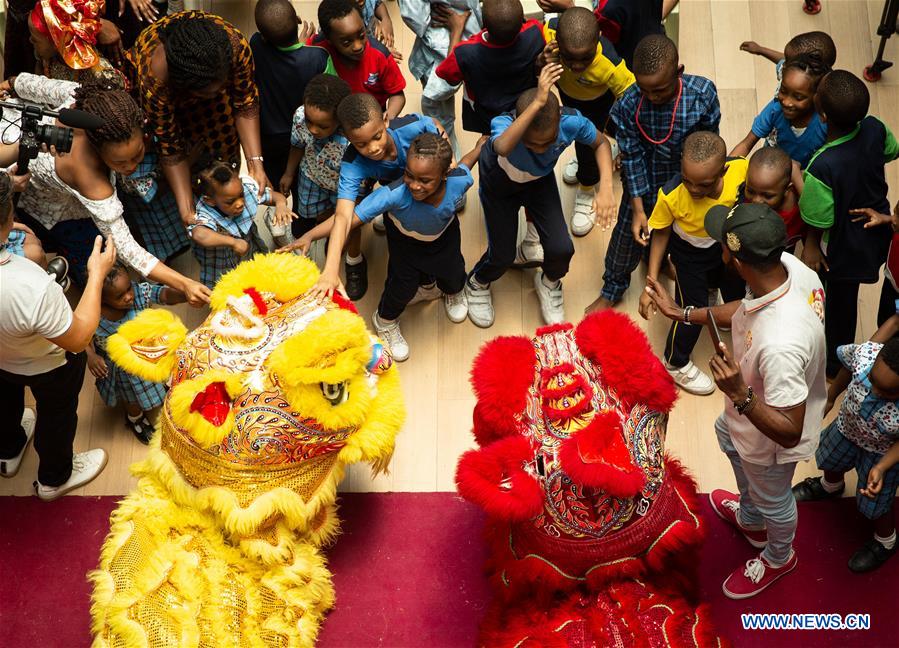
<point x="19" y="182"/>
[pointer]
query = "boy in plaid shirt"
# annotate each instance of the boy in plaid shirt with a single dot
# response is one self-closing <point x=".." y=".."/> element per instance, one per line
<point x="316" y="146"/>
<point x="224" y="230"/>
<point x="121" y="300"/>
<point x="865" y="436"/>
<point x="653" y="118"/>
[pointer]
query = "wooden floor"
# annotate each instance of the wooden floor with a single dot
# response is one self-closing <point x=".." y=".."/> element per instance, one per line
<point x="435" y="378"/>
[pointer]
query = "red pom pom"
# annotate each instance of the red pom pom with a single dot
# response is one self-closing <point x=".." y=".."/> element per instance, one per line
<point x="612" y="341"/>
<point x="343" y="302"/>
<point x="597" y="456"/>
<point x="494" y="478"/>
<point x="258" y="301"/>
<point x="501" y="375"/>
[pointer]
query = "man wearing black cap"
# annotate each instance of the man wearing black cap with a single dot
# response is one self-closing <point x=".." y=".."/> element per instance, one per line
<point x="774" y="382"/>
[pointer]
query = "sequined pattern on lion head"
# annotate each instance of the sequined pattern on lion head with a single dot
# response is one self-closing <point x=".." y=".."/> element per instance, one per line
<point x="579" y="493"/>
<point x="271" y="397"/>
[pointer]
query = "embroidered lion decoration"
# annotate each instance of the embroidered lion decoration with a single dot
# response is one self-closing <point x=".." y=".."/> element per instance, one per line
<point x="593" y="531"/>
<point x="271" y="398"/>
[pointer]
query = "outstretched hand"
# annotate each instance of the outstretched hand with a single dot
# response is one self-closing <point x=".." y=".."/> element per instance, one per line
<point x="547" y="79"/>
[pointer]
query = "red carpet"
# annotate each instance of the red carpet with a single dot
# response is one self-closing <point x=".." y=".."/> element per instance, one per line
<point x="408" y="573"/>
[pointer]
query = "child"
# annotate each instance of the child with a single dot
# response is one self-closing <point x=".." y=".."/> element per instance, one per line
<point x="593" y="77"/>
<point x="377" y="154"/>
<point x="790" y="120"/>
<point x="653" y="118"/>
<point x="846" y="173"/>
<point x="769" y="180"/>
<point x="423" y="236"/>
<point x="516" y="170"/>
<point x="865" y="436"/>
<point x="122" y="300"/>
<point x="317" y="147"/>
<point x="283" y="67"/>
<point x="224" y="230"/>
<point x="364" y="63"/>
<point x="433" y="24"/>
<point x="816" y="42"/>
<point x="707" y="179"/>
<point x="378" y="23"/>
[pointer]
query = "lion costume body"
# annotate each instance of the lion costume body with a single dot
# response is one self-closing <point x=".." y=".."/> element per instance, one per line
<point x="593" y="531"/>
<point x="271" y="397"/>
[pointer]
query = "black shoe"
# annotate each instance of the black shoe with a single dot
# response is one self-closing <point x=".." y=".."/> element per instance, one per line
<point x="870" y="556"/>
<point x="811" y="490"/>
<point x="142" y="429"/>
<point x="58" y="268"/>
<point x="356" y="279"/>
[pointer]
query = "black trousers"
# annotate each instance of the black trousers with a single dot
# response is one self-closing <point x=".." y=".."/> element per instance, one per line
<point x="275" y="150"/>
<point x="698" y="270"/>
<point x="411" y="262"/>
<point x="501" y="199"/>
<point x="56" y="401"/>
<point x="597" y="111"/>
<point x="841" y="316"/>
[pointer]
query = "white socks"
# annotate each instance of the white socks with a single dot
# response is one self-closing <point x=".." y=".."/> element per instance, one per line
<point x="832" y="488"/>
<point x="134" y="419"/>
<point x="888" y="542"/>
<point x="353" y="260"/>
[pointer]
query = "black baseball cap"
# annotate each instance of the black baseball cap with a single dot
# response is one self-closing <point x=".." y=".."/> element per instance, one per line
<point x="751" y="232"/>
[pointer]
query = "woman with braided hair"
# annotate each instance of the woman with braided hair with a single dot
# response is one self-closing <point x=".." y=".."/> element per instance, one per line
<point x="193" y="74"/>
<point x="71" y="198"/>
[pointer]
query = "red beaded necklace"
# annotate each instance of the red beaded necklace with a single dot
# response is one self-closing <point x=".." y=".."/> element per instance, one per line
<point x="680" y="91"/>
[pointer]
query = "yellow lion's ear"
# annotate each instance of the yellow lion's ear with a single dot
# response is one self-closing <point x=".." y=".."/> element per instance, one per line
<point x="146" y="345"/>
<point x="286" y="276"/>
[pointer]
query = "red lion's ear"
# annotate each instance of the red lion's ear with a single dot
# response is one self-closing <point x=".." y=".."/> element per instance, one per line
<point x="613" y="342"/>
<point x="596" y="455"/>
<point x="501" y="375"/>
<point x="494" y="478"/>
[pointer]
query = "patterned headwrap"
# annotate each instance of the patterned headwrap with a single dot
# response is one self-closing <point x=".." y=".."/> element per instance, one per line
<point x="72" y="26"/>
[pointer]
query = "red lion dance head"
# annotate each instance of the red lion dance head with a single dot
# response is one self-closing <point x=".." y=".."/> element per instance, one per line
<point x="593" y="530"/>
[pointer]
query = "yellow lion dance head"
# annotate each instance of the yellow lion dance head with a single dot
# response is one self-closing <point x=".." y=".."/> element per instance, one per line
<point x="271" y="397"/>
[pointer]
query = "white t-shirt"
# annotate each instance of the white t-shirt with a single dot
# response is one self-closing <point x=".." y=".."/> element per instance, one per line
<point x="32" y="309"/>
<point x="779" y="343"/>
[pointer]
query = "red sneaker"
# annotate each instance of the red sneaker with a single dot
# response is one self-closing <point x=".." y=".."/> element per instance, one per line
<point x="755" y="576"/>
<point x="727" y="506"/>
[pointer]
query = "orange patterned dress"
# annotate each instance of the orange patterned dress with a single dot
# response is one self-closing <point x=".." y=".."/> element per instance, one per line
<point x="183" y="124"/>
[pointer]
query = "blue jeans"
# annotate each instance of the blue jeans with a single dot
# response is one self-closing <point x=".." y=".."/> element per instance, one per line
<point x="766" y="498"/>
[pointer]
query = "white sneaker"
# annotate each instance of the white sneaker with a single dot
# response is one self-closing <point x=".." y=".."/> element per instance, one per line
<point x="552" y="303"/>
<point x="426" y="293"/>
<point x="569" y="175"/>
<point x="529" y="253"/>
<point x="391" y="334"/>
<point x="9" y="467"/>
<point x="456" y="306"/>
<point x="85" y="467"/>
<point x="480" y="306"/>
<point x="378" y="224"/>
<point x="582" y="218"/>
<point x="691" y="379"/>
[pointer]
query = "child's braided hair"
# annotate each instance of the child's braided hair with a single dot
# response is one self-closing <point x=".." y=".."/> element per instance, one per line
<point x="197" y="52"/>
<point x="432" y="145"/>
<point x="210" y="171"/>
<point x="811" y="63"/>
<point x="118" y="268"/>
<point x="120" y="113"/>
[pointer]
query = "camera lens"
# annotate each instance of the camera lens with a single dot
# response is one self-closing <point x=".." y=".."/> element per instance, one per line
<point x="61" y="138"/>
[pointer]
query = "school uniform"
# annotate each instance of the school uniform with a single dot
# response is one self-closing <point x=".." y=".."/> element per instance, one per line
<point x="800" y="143"/>
<point x="282" y="74"/>
<point x="216" y="261"/>
<point x="376" y="73"/>
<point x="696" y="255"/>
<point x="494" y="75"/>
<point x="526" y="179"/>
<point x="845" y="174"/>
<point x="592" y="92"/>
<point x="422" y="239"/>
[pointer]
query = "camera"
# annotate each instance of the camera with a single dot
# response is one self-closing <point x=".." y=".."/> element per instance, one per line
<point x="35" y="135"/>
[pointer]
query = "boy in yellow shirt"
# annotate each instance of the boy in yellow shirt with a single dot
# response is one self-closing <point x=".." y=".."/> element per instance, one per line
<point x="707" y="178"/>
<point x="593" y="77"/>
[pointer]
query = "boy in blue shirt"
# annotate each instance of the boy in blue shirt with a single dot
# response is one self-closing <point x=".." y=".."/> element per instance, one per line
<point x="517" y="171"/>
<point x="377" y="154"/>
<point x="423" y="236"/>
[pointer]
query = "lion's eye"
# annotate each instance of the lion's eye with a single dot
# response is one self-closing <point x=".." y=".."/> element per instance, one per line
<point x="335" y="393"/>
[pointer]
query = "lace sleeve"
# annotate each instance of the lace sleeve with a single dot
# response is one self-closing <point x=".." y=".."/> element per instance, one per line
<point x="40" y="89"/>
<point x="107" y="214"/>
